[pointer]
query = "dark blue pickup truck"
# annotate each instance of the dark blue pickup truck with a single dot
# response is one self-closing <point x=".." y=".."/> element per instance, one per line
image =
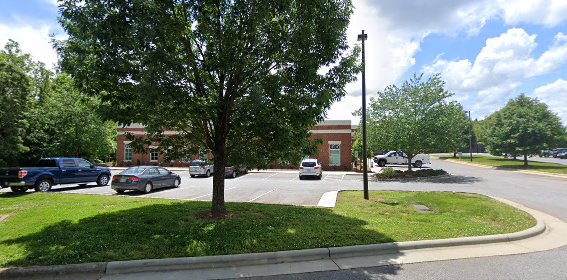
<point x="53" y="171"/>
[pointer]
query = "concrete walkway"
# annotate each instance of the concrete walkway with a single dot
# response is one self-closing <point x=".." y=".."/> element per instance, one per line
<point x="549" y="233"/>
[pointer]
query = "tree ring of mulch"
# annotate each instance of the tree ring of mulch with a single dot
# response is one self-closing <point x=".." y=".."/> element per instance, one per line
<point x="4" y="217"/>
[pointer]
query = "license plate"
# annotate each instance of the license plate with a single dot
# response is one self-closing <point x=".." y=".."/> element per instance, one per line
<point x="122" y="180"/>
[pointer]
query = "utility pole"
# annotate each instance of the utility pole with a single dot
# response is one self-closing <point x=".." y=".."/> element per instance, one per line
<point x="362" y="37"/>
<point x="470" y="135"/>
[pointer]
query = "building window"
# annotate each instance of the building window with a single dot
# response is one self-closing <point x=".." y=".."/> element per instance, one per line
<point x="153" y="156"/>
<point x="127" y="152"/>
<point x="334" y="154"/>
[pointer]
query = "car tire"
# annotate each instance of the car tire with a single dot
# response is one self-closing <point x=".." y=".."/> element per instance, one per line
<point x="192" y="176"/>
<point x="208" y="174"/>
<point x="19" y="189"/>
<point x="300" y="177"/>
<point x="320" y="176"/>
<point x="103" y="180"/>
<point x="176" y="183"/>
<point x="119" y="191"/>
<point x="382" y="163"/>
<point x="148" y="187"/>
<point x="43" y="185"/>
<point x="418" y="164"/>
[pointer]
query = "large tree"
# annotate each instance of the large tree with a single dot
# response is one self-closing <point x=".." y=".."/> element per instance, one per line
<point x="525" y="126"/>
<point x="15" y="94"/>
<point x="415" y="117"/>
<point x="244" y="79"/>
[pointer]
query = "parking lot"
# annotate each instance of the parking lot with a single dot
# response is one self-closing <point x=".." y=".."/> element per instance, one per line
<point x="281" y="187"/>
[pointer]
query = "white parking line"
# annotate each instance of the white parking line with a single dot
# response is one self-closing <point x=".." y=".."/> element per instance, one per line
<point x="326" y="176"/>
<point x="343" y="176"/>
<point x="209" y="194"/>
<point x="260" y="196"/>
<point x="270" y="176"/>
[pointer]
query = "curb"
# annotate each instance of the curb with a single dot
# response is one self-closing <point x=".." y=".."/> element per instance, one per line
<point x="509" y="169"/>
<point x="295" y="256"/>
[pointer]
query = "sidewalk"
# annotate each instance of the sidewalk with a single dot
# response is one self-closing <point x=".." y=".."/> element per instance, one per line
<point x="548" y="233"/>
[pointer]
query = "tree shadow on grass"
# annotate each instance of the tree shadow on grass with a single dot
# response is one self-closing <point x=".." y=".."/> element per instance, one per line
<point x="175" y="230"/>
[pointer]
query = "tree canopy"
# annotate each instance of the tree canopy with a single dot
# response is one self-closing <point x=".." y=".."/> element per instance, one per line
<point x="244" y="79"/>
<point x="525" y="126"/>
<point x="416" y="117"/>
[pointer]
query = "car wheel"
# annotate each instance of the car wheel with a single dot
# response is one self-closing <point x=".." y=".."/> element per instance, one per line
<point x="176" y="183"/>
<point x="119" y="191"/>
<point x="43" y="185"/>
<point x="300" y="177"/>
<point x="320" y="176"/>
<point x="148" y="188"/>
<point x="418" y="164"/>
<point x="208" y="174"/>
<point x="192" y="176"/>
<point x="19" y="189"/>
<point x="382" y="163"/>
<point x="103" y="180"/>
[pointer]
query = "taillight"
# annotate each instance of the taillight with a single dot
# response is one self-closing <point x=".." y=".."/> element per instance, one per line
<point x="317" y="167"/>
<point x="115" y="179"/>
<point x="22" y="174"/>
<point x="134" y="179"/>
<point x="301" y="168"/>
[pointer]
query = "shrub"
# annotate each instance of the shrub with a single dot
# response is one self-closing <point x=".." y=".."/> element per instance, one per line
<point x="387" y="173"/>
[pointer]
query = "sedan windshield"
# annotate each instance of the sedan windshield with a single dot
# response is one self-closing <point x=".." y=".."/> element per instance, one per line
<point x="133" y="171"/>
<point x="198" y="163"/>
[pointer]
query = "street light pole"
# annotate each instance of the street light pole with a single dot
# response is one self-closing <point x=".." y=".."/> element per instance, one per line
<point x="362" y="37"/>
<point x="470" y="135"/>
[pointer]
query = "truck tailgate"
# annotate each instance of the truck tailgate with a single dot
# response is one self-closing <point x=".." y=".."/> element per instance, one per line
<point x="9" y="175"/>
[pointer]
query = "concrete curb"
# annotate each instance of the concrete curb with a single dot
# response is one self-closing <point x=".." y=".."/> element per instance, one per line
<point x="231" y="261"/>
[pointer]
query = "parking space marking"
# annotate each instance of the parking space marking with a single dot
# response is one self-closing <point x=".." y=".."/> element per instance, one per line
<point x="209" y="194"/>
<point x="343" y="176"/>
<point x="326" y="176"/>
<point x="261" y="195"/>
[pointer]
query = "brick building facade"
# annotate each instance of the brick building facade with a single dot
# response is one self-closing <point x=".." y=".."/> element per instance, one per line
<point x="335" y="152"/>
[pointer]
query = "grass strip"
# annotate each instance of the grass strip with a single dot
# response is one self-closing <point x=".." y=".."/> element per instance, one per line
<point x="514" y="164"/>
<point x="50" y="229"/>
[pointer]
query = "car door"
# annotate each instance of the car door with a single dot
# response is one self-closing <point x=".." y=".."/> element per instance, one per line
<point x="166" y="178"/>
<point x="86" y="173"/>
<point x="155" y="177"/>
<point x="69" y="171"/>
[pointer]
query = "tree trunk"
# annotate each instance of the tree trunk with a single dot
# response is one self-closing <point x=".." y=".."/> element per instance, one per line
<point x="455" y="154"/>
<point x="525" y="159"/>
<point x="218" y="208"/>
<point x="409" y="163"/>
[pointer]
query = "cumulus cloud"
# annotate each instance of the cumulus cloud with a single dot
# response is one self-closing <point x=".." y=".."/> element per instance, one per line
<point x="549" y="13"/>
<point x="555" y="96"/>
<point x="499" y="68"/>
<point x="34" y="40"/>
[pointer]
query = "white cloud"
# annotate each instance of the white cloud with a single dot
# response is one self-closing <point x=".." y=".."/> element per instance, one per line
<point x="549" y="13"/>
<point x="555" y="96"/>
<point x="34" y="40"/>
<point x="500" y="68"/>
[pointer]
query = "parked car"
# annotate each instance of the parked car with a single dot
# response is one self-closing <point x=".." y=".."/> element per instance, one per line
<point x="200" y="168"/>
<point x="144" y="179"/>
<point x="53" y="171"/>
<point x="399" y="157"/>
<point x="231" y="171"/>
<point x="545" y="153"/>
<point x="557" y="151"/>
<point x="310" y="167"/>
<point x="562" y="155"/>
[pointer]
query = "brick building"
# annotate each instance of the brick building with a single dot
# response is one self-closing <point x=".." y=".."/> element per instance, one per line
<point x="335" y="151"/>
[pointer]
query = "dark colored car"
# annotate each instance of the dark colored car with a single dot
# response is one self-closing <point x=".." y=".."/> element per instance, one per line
<point x="53" y="171"/>
<point x="231" y="171"/>
<point x="144" y="179"/>
<point x="557" y="151"/>
<point x="562" y="155"/>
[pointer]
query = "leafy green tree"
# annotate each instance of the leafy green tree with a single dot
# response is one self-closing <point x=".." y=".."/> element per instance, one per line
<point x="415" y="117"/>
<point x="15" y="94"/>
<point x="523" y="127"/>
<point x="66" y="123"/>
<point x="244" y="79"/>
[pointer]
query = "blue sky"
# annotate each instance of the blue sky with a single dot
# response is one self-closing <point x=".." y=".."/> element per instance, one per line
<point x="488" y="51"/>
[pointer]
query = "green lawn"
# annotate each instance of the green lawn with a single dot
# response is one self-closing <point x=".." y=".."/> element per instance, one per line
<point x="49" y="228"/>
<point x="503" y="163"/>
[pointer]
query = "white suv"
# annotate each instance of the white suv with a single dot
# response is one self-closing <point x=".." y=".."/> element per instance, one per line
<point x="310" y="167"/>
